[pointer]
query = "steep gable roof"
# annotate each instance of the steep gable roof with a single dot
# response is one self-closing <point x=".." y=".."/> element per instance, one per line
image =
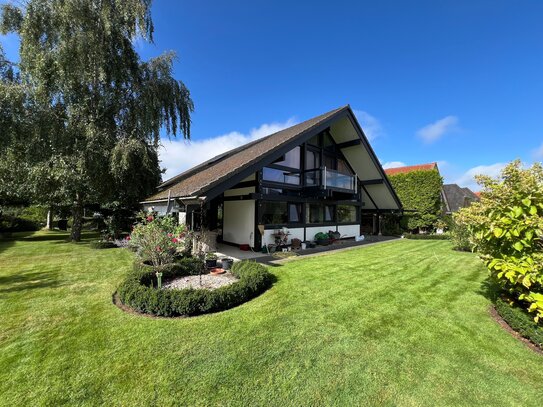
<point x="410" y="168"/>
<point x="210" y="178"/>
<point x="202" y="177"/>
<point x="457" y="197"/>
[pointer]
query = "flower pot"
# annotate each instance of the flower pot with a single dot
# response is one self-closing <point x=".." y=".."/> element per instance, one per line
<point x="227" y="263"/>
<point x="323" y="242"/>
<point x="210" y="263"/>
<point x="304" y="245"/>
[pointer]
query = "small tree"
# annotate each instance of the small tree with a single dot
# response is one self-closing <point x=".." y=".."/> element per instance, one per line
<point x="158" y="240"/>
<point x="506" y="229"/>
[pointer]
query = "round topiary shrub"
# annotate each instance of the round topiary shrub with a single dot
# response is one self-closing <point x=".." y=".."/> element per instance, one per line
<point x="139" y="293"/>
<point x="102" y="245"/>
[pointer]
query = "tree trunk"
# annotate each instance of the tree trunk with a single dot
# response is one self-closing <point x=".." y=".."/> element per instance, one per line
<point x="49" y="224"/>
<point x="77" y="212"/>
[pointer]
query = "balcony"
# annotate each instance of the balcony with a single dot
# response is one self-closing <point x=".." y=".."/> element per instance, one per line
<point x="330" y="179"/>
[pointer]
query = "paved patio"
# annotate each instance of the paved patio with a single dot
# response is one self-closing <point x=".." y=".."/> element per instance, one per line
<point x="237" y="254"/>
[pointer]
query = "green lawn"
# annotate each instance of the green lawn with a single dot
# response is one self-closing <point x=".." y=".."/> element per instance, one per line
<point x="400" y="323"/>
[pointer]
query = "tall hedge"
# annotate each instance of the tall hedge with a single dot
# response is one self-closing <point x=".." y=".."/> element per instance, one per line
<point x="420" y="193"/>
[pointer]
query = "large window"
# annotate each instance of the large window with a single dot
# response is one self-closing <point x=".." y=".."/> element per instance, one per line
<point x="346" y="213"/>
<point x="280" y="176"/>
<point x="274" y="213"/>
<point x="279" y="213"/>
<point x="290" y="159"/>
<point x="319" y="213"/>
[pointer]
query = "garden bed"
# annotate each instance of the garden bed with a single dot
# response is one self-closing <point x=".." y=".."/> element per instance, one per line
<point x="139" y="291"/>
<point x="205" y="282"/>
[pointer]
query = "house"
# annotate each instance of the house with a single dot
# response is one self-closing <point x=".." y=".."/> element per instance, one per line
<point x="315" y="176"/>
<point x="456" y="197"/>
<point x="453" y="197"/>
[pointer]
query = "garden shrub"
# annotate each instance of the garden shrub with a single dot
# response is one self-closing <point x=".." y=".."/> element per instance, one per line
<point x="138" y="293"/>
<point x="520" y="321"/>
<point x="426" y="236"/>
<point x="102" y="245"/>
<point x="460" y="236"/>
<point x="419" y="191"/>
<point x="506" y="229"/>
<point x="16" y="224"/>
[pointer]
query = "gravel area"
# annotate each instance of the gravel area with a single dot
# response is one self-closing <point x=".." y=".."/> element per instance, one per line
<point x="209" y="282"/>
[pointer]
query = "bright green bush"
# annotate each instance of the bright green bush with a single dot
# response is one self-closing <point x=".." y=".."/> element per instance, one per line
<point x="460" y="236"/>
<point x="506" y="229"/>
<point x="419" y="191"/>
<point x="520" y="321"/>
<point x="138" y="293"/>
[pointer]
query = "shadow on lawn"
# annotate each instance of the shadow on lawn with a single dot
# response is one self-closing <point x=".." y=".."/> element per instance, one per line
<point x="28" y="281"/>
<point x="489" y="289"/>
<point x="5" y="244"/>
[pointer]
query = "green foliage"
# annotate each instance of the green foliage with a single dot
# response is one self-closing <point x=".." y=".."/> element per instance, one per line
<point x="460" y="236"/>
<point x="520" y="321"/>
<point x="100" y="244"/>
<point x="81" y="123"/>
<point x="322" y="236"/>
<point x="506" y="229"/>
<point x="419" y="191"/>
<point x="158" y="239"/>
<point x="427" y="236"/>
<point x="137" y="290"/>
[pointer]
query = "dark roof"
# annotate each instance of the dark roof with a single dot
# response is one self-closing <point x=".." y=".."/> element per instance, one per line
<point x="197" y="180"/>
<point x="457" y="197"/>
<point x="410" y="168"/>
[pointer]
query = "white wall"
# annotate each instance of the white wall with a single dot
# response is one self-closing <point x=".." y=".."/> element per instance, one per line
<point x="295" y="233"/>
<point x="239" y="222"/>
<point x="349" y="230"/>
<point x="312" y="231"/>
<point x="159" y="208"/>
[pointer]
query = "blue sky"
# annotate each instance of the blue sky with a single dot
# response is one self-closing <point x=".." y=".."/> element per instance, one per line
<point x="457" y="82"/>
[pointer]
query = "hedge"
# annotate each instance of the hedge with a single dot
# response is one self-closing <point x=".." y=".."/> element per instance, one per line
<point x="520" y="321"/>
<point x="138" y="293"/>
<point x="102" y="245"/>
<point x="422" y="236"/>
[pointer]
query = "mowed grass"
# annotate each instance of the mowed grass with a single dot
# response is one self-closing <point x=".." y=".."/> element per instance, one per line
<point x="400" y="323"/>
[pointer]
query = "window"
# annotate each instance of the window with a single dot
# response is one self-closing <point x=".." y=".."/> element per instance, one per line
<point x="314" y="213"/>
<point x="343" y="167"/>
<point x="290" y="159"/>
<point x="312" y="159"/>
<point x="279" y="213"/>
<point x="315" y="140"/>
<point x="346" y="214"/>
<point x="328" y="213"/>
<point x="328" y="142"/>
<point x="294" y="213"/>
<point x="274" y="213"/>
<point x="330" y="162"/>
<point x="284" y="177"/>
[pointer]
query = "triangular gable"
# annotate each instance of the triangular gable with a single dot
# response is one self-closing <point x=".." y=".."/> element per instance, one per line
<point x="213" y="177"/>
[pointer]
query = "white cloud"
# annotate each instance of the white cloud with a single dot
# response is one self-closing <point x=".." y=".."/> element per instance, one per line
<point x="468" y="178"/>
<point x="436" y="130"/>
<point x="394" y="164"/>
<point x="538" y="153"/>
<point x="178" y="156"/>
<point x="371" y="125"/>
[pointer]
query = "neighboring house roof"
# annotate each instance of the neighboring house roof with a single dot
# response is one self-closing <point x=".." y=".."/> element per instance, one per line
<point x="457" y="197"/>
<point x="410" y="168"/>
<point x="227" y="169"/>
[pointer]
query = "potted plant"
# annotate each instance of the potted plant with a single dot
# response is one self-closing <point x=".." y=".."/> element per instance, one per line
<point x="322" y="239"/>
<point x="211" y="260"/>
<point x="227" y="263"/>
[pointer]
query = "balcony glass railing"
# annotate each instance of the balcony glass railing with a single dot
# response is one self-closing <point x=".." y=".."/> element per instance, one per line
<point x="326" y="178"/>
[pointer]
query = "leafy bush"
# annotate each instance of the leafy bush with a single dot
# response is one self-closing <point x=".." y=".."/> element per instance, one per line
<point x="520" y="321"/>
<point x="138" y="293"/>
<point x="424" y="236"/>
<point x="506" y="229"/>
<point x="419" y="191"/>
<point x="36" y="214"/>
<point x="14" y="224"/>
<point x="460" y="236"/>
<point x="158" y="239"/>
<point x="102" y="245"/>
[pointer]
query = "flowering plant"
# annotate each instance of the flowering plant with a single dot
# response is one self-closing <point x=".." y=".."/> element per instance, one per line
<point x="158" y="239"/>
